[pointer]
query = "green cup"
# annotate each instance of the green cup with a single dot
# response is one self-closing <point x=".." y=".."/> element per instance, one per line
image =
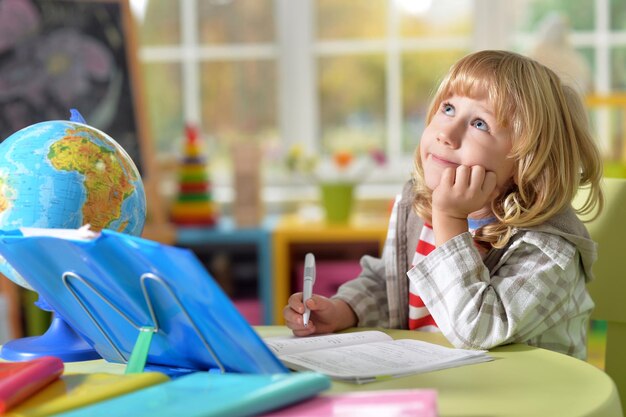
<point x="337" y="198"/>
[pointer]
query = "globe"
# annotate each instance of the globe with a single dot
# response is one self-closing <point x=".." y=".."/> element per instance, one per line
<point x="64" y="174"/>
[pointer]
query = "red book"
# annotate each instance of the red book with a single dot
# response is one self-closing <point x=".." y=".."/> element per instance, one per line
<point x="20" y="380"/>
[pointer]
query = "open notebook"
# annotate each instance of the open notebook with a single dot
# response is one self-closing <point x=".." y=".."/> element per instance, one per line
<point x="368" y="356"/>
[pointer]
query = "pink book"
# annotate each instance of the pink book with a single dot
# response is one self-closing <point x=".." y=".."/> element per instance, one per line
<point x="19" y="380"/>
<point x="394" y="403"/>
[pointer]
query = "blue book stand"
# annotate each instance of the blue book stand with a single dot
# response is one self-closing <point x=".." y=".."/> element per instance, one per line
<point x="110" y="287"/>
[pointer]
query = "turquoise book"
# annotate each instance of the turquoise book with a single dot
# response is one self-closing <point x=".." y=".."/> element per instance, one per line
<point x="204" y="394"/>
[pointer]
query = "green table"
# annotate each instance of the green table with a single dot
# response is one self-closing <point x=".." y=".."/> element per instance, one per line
<point x="521" y="381"/>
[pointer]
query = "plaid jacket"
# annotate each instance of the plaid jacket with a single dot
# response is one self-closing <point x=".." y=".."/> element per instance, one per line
<point x="532" y="291"/>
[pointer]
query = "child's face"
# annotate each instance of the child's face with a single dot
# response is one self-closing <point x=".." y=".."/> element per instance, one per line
<point x="463" y="131"/>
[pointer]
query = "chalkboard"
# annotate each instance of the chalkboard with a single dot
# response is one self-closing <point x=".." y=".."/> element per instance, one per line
<point x="61" y="54"/>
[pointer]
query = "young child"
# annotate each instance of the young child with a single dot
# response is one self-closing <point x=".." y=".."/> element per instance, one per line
<point x="483" y="244"/>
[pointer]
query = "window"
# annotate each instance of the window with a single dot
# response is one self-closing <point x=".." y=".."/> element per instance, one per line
<point x="319" y="72"/>
<point x="282" y="72"/>
<point x="212" y="64"/>
<point x="378" y="62"/>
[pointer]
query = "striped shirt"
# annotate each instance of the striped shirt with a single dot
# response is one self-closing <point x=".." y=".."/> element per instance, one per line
<point x="419" y="316"/>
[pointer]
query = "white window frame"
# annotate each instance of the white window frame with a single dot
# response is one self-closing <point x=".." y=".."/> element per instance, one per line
<point x="296" y="51"/>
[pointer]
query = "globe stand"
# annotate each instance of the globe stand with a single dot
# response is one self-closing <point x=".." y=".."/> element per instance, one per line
<point x="59" y="340"/>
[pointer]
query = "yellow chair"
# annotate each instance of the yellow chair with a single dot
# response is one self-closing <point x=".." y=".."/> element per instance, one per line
<point x="608" y="289"/>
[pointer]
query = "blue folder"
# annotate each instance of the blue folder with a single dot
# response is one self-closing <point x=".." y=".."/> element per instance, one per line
<point x="205" y="395"/>
<point x="109" y="287"/>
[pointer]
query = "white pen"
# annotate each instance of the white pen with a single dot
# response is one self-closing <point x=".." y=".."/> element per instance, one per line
<point x="307" y="285"/>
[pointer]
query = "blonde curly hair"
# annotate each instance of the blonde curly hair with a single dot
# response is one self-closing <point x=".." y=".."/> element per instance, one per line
<point x="553" y="148"/>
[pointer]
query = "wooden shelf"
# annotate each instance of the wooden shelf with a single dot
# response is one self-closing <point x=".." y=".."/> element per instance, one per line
<point x="293" y="235"/>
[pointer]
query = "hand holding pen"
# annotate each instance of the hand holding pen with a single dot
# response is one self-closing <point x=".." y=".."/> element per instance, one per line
<point x="307" y="285"/>
<point x="325" y="315"/>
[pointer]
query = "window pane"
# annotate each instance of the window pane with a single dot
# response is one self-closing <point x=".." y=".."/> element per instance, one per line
<point x="589" y="56"/>
<point x="160" y="24"/>
<point x="618" y="68"/>
<point x="163" y="89"/>
<point x="241" y="21"/>
<point x="429" y="18"/>
<point x="352" y="101"/>
<point x="618" y="15"/>
<point x="421" y="74"/>
<point x="239" y="101"/>
<point x="580" y="13"/>
<point x="351" y="19"/>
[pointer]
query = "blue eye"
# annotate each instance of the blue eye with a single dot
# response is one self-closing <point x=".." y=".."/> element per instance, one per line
<point x="447" y="109"/>
<point x="480" y="124"/>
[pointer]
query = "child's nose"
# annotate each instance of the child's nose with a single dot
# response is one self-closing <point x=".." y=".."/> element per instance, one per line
<point x="450" y="137"/>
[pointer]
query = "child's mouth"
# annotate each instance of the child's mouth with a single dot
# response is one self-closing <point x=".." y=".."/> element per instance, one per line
<point x="443" y="161"/>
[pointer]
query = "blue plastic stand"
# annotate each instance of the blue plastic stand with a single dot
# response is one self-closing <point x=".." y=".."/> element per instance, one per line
<point x="59" y="340"/>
